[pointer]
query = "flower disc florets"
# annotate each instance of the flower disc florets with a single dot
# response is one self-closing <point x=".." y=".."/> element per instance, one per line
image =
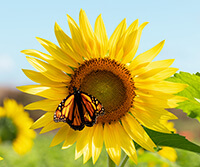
<point x="110" y="82"/>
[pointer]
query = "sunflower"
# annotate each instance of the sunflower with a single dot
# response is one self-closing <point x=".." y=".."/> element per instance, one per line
<point x="133" y="91"/>
<point x="15" y="124"/>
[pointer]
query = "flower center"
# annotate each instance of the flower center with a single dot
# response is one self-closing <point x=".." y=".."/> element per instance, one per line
<point x="110" y="82"/>
<point x="8" y="130"/>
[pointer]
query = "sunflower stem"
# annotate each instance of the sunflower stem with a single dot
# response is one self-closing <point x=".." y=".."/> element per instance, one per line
<point x="123" y="162"/>
<point x="110" y="162"/>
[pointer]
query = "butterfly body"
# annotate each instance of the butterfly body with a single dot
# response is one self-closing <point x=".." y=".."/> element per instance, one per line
<point x="78" y="109"/>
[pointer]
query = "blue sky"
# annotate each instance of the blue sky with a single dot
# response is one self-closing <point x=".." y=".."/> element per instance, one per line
<point x="178" y="22"/>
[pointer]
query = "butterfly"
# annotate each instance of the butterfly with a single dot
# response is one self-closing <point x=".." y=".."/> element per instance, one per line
<point x="79" y="109"/>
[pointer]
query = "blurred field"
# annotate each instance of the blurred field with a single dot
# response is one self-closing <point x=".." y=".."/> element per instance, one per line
<point x="43" y="156"/>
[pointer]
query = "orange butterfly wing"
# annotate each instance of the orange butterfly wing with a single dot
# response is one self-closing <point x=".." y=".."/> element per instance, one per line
<point x="67" y="111"/>
<point x="92" y="108"/>
<point x="78" y="109"/>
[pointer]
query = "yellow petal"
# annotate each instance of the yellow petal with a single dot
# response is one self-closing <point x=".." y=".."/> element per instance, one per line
<point x="1" y="158"/>
<point x="75" y="31"/>
<point x="77" y="39"/>
<point x="87" y="154"/>
<point x="119" y="55"/>
<point x="165" y="100"/>
<point x="152" y="101"/>
<point x="112" y="142"/>
<point x="132" y="27"/>
<point x="39" y="78"/>
<point x="149" y="120"/>
<point x="132" y="44"/>
<point x="38" y="54"/>
<point x="144" y="67"/>
<point x="115" y="37"/>
<point x="119" y="45"/>
<point x="48" y="70"/>
<point x="59" y="65"/>
<point x="44" y="91"/>
<point x="51" y="126"/>
<point x="85" y="25"/>
<point x="97" y="142"/>
<point x="60" y="136"/>
<point x="100" y="32"/>
<point x="45" y="105"/>
<point x="43" y="120"/>
<point x="162" y="86"/>
<point x="140" y="69"/>
<point x="137" y="133"/>
<point x="153" y="94"/>
<point x="89" y="38"/>
<point x="70" y="138"/>
<point x="58" y="53"/>
<point x="150" y="73"/>
<point x="160" y="64"/>
<point x="173" y="102"/>
<point x="164" y="74"/>
<point x="158" y="111"/>
<point x="86" y="28"/>
<point x="64" y="40"/>
<point x="81" y="142"/>
<point x="84" y="144"/>
<point x="126" y="143"/>
<point x="147" y="56"/>
<point x="78" y="154"/>
<point x="87" y="149"/>
<point x="66" y="43"/>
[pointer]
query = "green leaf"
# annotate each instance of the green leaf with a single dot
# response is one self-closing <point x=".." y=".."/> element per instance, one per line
<point x="192" y="92"/>
<point x="172" y="140"/>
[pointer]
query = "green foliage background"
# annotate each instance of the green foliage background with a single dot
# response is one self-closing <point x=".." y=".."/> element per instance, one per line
<point x="192" y="92"/>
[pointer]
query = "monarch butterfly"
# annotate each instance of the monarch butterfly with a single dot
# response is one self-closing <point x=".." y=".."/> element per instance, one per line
<point x="79" y="109"/>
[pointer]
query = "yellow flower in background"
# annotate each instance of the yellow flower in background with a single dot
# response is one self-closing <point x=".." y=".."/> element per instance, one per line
<point x="168" y="152"/>
<point x="1" y="158"/>
<point x="14" y="126"/>
<point x="132" y="90"/>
